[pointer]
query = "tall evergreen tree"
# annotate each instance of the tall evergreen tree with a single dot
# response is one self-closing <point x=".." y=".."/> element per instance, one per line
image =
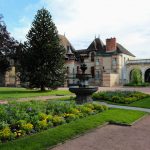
<point x="42" y="59"/>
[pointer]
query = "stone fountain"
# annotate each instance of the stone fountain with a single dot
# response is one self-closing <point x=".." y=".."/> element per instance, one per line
<point x="83" y="91"/>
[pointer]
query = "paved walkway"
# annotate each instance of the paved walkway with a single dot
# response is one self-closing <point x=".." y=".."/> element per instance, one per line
<point x="44" y="98"/>
<point x="113" y="137"/>
<point x="140" y="89"/>
<point x="122" y="88"/>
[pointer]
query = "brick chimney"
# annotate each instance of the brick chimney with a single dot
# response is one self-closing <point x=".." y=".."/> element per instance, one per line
<point x="111" y="45"/>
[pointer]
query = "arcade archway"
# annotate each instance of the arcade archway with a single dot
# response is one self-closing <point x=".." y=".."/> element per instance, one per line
<point x="147" y="75"/>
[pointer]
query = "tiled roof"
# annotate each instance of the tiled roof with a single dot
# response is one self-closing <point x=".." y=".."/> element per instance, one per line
<point x="123" y="50"/>
<point x="65" y="42"/>
<point x="97" y="44"/>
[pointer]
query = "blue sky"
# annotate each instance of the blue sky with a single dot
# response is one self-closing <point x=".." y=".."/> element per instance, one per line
<point x="82" y="20"/>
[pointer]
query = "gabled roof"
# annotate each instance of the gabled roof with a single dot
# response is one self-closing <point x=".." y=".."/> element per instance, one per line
<point x="65" y="42"/>
<point x="97" y="44"/>
<point x="121" y="49"/>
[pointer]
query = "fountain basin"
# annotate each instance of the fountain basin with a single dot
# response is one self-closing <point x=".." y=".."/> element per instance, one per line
<point x="83" y="94"/>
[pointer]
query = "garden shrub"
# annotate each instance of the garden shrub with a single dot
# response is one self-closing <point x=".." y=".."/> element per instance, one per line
<point x="70" y="117"/>
<point x="24" y="118"/>
<point x="143" y="84"/>
<point x="58" y="120"/>
<point x="136" y="76"/>
<point x="125" y="97"/>
<point x="27" y="127"/>
<point x="5" y="133"/>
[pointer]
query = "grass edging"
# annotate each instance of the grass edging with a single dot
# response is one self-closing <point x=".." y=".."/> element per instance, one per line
<point x="144" y="116"/>
<point x="53" y="136"/>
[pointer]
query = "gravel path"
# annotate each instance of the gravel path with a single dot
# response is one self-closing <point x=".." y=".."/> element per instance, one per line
<point x="113" y="137"/>
<point x="140" y="89"/>
<point x="35" y="98"/>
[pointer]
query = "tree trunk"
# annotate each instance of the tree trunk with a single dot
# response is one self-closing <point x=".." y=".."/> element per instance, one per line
<point x="42" y="87"/>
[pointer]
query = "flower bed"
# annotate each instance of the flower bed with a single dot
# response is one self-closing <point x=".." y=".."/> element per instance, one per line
<point x="25" y="118"/>
<point x="124" y="97"/>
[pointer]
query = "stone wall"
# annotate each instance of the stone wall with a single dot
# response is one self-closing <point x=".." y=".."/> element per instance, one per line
<point x="110" y="79"/>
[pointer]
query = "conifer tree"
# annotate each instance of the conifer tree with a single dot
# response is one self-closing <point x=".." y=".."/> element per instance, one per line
<point x="42" y="58"/>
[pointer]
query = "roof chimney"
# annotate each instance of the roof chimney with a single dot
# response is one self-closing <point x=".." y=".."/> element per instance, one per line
<point x="111" y="45"/>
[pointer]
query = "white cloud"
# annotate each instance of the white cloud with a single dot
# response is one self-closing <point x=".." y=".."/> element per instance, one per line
<point x="128" y="21"/>
<point x="19" y="33"/>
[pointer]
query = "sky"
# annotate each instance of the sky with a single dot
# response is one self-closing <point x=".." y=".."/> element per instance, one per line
<point x="83" y="20"/>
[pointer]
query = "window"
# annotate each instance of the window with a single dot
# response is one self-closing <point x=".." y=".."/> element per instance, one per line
<point x="114" y="61"/>
<point x="97" y="61"/>
<point x="124" y="60"/>
<point x="67" y="70"/>
<point x="92" y="72"/>
<point x="92" y="56"/>
<point x="78" y="69"/>
<point x="97" y="76"/>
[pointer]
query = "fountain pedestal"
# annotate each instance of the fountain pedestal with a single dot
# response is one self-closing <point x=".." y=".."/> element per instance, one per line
<point x="83" y="94"/>
<point x="83" y="91"/>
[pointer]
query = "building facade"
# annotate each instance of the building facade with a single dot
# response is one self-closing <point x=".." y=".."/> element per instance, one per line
<point x="109" y="64"/>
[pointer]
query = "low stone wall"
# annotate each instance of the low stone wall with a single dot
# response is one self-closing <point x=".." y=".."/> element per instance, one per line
<point x="110" y="79"/>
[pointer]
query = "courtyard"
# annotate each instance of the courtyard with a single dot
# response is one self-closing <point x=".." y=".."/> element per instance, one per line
<point x="115" y="128"/>
<point x="113" y="137"/>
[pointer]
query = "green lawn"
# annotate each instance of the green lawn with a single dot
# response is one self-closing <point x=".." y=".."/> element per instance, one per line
<point x="15" y="93"/>
<point x="143" y="103"/>
<point x="61" y="133"/>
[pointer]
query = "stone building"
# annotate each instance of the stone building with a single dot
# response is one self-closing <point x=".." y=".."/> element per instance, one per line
<point x="109" y="64"/>
<point x="142" y="64"/>
<point x="9" y="78"/>
<point x="106" y="63"/>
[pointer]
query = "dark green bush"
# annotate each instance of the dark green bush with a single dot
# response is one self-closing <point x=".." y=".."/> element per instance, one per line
<point x="125" y="97"/>
<point x="145" y="84"/>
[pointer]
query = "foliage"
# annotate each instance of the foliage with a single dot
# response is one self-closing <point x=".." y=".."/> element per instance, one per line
<point x="58" y="120"/>
<point x="42" y="57"/>
<point x="144" y="103"/>
<point x="136" y="76"/>
<point x="124" y="97"/>
<point x="23" y="118"/>
<point x="145" y="84"/>
<point x="8" y="47"/>
<point x="60" y="134"/>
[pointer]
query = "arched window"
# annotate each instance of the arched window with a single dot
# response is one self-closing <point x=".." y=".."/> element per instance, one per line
<point x="92" y="56"/>
<point x="147" y="75"/>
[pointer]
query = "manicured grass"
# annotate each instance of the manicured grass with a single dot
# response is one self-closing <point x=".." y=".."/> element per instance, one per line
<point x="144" y="103"/>
<point x="61" y="133"/>
<point x="15" y="93"/>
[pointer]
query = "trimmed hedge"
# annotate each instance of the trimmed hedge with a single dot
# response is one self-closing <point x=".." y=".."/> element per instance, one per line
<point x="138" y="85"/>
<point x="124" y="97"/>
